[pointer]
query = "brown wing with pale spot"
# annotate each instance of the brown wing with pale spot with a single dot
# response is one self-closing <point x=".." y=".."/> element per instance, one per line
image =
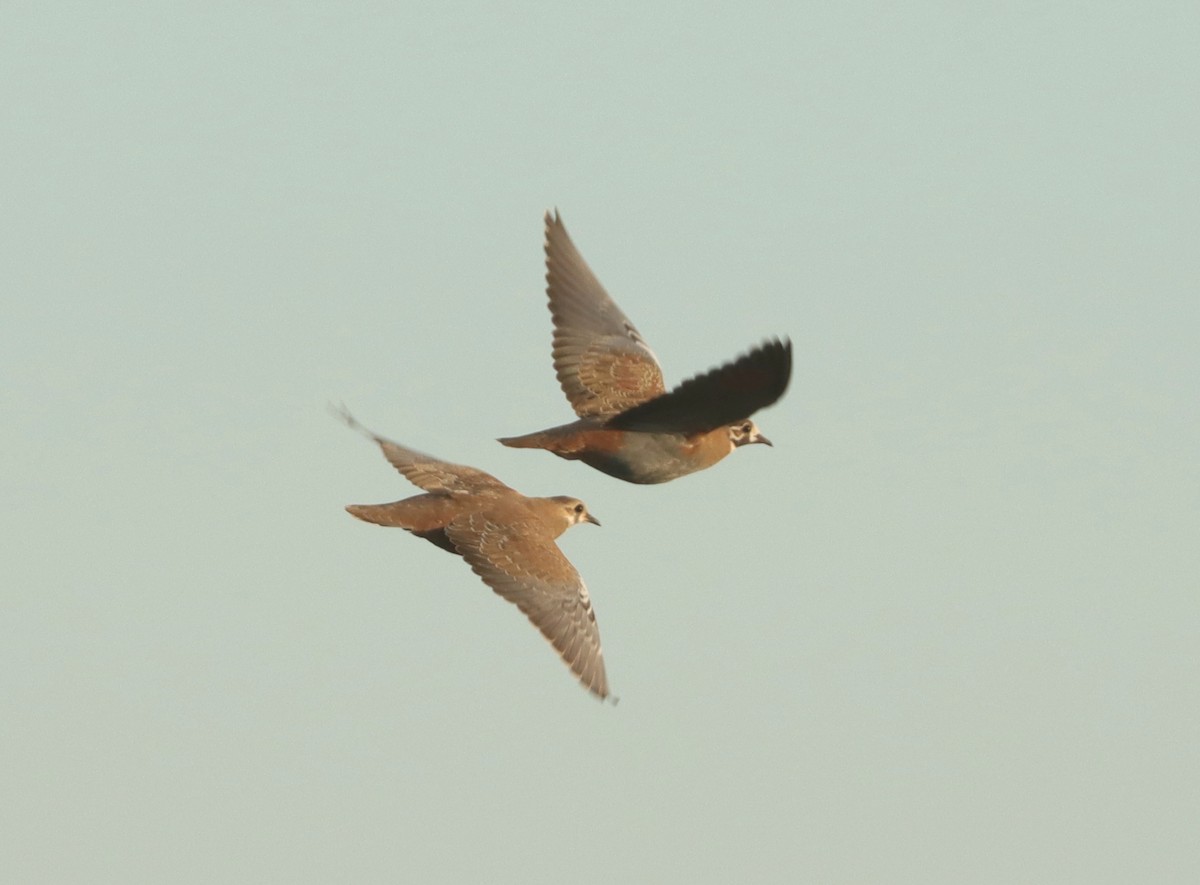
<point x="721" y="396"/>
<point x="603" y="364"/>
<point x="516" y="557"/>
<point x="427" y="472"/>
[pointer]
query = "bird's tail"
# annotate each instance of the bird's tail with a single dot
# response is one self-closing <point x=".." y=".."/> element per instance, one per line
<point x="528" y="441"/>
<point x="402" y="515"/>
<point x="394" y="514"/>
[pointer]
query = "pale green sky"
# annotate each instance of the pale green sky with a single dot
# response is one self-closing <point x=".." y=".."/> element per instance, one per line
<point x="945" y="631"/>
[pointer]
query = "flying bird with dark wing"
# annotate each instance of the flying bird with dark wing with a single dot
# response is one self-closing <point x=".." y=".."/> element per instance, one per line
<point x="629" y="425"/>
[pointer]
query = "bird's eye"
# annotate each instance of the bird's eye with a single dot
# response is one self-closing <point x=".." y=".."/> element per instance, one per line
<point x="579" y="508"/>
<point x="746" y="429"/>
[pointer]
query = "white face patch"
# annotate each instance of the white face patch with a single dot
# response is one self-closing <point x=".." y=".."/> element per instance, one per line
<point x="744" y="433"/>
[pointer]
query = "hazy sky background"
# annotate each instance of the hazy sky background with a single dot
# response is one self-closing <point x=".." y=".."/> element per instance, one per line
<point x="945" y="631"/>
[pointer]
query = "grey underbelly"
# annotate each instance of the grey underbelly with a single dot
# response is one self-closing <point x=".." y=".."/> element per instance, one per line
<point x="645" y="459"/>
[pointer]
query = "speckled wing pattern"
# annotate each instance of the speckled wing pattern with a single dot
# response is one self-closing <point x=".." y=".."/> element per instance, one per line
<point x="516" y="556"/>
<point x="603" y="364"/>
<point x="721" y="396"/>
<point x="427" y="472"/>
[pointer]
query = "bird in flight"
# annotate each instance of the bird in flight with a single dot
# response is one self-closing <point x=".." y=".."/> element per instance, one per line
<point x="506" y="538"/>
<point x="629" y="426"/>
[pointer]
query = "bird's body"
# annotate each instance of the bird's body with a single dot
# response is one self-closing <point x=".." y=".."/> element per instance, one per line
<point x="507" y="539"/>
<point x="433" y="517"/>
<point x="629" y="425"/>
<point x="642" y="458"/>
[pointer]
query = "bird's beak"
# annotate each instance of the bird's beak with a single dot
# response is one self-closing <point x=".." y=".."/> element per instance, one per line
<point x="592" y="519"/>
<point x="762" y="439"/>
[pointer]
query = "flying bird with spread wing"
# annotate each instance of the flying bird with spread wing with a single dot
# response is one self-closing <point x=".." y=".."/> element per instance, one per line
<point x="629" y="426"/>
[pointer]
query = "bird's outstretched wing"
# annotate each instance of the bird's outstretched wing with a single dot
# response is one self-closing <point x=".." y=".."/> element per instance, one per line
<point x="603" y="364"/>
<point x="720" y="396"/>
<point x="516" y="556"/>
<point x="425" y="471"/>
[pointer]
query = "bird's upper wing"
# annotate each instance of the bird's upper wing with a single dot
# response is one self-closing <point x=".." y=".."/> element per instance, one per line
<point x="516" y="557"/>
<point x="603" y="364"/>
<point x="720" y="396"/>
<point x="425" y="471"/>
